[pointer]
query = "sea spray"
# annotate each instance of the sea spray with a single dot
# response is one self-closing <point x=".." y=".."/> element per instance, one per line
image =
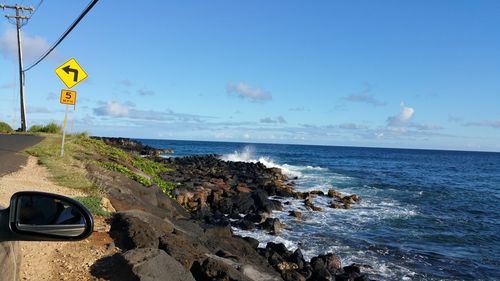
<point x="424" y="215"/>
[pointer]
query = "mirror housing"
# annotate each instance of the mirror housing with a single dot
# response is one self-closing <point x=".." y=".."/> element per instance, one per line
<point x="41" y="216"/>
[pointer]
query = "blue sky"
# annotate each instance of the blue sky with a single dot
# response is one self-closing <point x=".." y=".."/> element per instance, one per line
<point x="414" y="74"/>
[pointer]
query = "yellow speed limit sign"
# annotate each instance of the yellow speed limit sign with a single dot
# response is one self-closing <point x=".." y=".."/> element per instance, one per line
<point x="68" y="97"/>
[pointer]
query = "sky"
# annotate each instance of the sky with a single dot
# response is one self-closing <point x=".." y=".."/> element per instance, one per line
<point x="402" y="74"/>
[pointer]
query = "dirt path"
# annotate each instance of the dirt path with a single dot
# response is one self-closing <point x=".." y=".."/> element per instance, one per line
<point x="54" y="260"/>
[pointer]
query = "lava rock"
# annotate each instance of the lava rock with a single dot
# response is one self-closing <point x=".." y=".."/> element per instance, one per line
<point x="154" y="264"/>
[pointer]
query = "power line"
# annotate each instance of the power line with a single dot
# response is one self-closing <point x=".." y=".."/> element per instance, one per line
<point x="34" y="12"/>
<point x="70" y="28"/>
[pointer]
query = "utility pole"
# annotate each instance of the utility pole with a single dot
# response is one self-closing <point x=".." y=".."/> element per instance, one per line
<point x="19" y="18"/>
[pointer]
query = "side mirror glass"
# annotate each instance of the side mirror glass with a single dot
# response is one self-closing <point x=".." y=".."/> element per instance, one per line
<point x="45" y="216"/>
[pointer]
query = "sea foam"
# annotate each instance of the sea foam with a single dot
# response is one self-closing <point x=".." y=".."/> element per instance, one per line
<point x="248" y="155"/>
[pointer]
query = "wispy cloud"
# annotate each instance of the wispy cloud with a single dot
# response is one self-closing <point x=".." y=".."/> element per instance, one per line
<point x="454" y="119"/>
<point x="242" y="90"/>
<point x="276" y="120"/>
<point x="299" y="108"/>
<point x="351" y="126"/>
<point x="145" y="92"/>
<point x="8" y="86"/>
<point x="33" y="46"/>
<point x="485" y="123"/>
<point x="403" y="118"/>
<point x="128" y="110"/>
<point x="425" y="127"/>
<point x="51" y="96"/>
<point x="363" y="96"/>
<point x="37" y="109"/>
<point x="126" y="83"/>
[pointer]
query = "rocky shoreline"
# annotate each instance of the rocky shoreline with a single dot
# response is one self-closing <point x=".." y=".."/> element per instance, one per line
<point x="191" y="235"/>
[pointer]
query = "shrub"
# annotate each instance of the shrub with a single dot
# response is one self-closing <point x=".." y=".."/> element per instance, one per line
<point x="52" y="128"/>
<point x="93" y="203"/>
<point x="5" y="128"/>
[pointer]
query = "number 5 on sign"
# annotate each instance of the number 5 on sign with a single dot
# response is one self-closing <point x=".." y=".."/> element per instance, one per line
<point x="68" y="97"/>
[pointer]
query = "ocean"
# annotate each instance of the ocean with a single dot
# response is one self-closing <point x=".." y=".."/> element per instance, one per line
<point x="424" y="214"/>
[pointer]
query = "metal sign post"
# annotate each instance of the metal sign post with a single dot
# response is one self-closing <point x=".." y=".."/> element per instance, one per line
<point x="68" y="98"/>
<point x="70" y="73"/>
<point x="64" y="130"/>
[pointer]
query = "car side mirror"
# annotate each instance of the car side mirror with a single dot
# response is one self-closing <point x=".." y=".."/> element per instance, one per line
<point x="40" y="216"/>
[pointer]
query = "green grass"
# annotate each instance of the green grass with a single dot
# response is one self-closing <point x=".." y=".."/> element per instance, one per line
<point x="80" y="150"/>
<point x="112" y="166"/>
<point x="51" y="128"/>
<point x="99" y="147"/>
<point x="5" y="128"/>
<point x="93" y="203"/>
<point x="154" y="169"/>
<point x="67" y="171"/>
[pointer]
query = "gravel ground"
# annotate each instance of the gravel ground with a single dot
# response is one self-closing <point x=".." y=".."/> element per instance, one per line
<point x="55" y="260"/>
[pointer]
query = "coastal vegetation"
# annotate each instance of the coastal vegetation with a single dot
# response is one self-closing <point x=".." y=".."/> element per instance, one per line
<point x="5" y="128"/>
<point x="51" y="128"/>
<point x="81" y="150"/>
<point x="93" y="203"/>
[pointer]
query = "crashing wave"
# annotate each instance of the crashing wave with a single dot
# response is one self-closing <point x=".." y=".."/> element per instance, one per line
<point x="248" y="155"/>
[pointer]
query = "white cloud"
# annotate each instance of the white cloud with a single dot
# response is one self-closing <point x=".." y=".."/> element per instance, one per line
<point x="242" y="90"/>
<point x="112" y="108"/>
<point x="33" y="47"/>
<point x="402" y="118"/>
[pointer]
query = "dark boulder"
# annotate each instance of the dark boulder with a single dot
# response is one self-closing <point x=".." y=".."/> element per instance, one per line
<point x="297" y="258"/>
<point x="295" y="214"/>
<point x="352" y="268"/>
<point x="263" y="203"/>
<point x="246" y="224"/>
<point x="138" y="229"/>
<point x="254" y="243"/>
<point x="153" y="264"/>
<point x="273" y="225"/>
<point x="328" y="262"/>
<point x="183" y="248"/>
<point x="279" y="248"/>
<point x="218" y="268"/>
<point x="292" y="275"/>
<point x="243" y="202"/>
<point x="257" y="218"/>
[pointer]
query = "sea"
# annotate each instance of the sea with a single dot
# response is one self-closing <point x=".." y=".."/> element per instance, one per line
<point x="423" y="214"/>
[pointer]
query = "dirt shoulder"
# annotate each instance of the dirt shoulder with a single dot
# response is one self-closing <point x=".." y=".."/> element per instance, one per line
<point x="65" y="260"/>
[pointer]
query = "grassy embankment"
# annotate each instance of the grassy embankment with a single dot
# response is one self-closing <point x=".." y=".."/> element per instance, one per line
<point x="80" y="150"/>
<point x="5" y="128"/>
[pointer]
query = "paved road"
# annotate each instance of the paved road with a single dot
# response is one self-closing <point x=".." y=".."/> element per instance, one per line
<point x="10" y="145"/>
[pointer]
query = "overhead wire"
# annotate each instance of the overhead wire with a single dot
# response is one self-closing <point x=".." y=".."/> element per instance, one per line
<point x="34" y="12"/>
<point x="61" y="38"/>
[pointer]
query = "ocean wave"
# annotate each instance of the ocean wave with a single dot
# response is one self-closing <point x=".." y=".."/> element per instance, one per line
<point x="248" y="155"/>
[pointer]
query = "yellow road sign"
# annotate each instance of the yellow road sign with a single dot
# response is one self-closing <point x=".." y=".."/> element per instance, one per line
<point x="71" y="73"/>
<point x="68" y="97"/>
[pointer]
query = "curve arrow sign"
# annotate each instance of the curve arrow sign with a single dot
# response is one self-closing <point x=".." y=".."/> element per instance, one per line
<point x="68" y="69"/>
